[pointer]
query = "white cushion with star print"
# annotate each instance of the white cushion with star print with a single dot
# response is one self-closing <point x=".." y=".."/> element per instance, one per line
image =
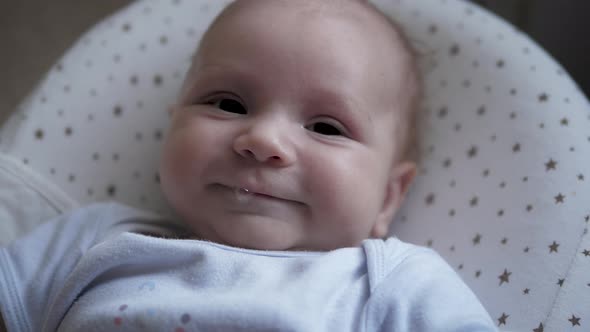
<point x="503" y="188"/>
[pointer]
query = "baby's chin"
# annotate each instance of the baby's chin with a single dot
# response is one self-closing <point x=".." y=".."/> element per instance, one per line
<point x="266" y="241"/>
<point x="253" y="238"/>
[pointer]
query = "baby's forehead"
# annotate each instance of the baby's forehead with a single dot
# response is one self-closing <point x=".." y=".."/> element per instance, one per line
<point x="378" y="33"/>
<point x="377" y="37"/>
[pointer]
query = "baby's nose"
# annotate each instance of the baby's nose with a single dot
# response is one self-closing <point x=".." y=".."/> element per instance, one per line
<point x="265" y="142"/>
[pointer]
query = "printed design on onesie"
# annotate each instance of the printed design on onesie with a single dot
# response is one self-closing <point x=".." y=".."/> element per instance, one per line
<point x="149" y="314"/>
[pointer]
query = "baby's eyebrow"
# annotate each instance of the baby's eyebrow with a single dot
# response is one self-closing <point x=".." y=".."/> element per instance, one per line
<point x="226" y="70"/>
<point x="210" y="73"/>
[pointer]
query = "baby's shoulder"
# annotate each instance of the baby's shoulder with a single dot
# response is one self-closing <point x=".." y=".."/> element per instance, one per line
<point x="393" y="258"/>
<point x="392" y="252"/>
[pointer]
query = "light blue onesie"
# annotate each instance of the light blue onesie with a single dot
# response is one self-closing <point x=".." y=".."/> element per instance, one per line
<point x="95" y="269"/>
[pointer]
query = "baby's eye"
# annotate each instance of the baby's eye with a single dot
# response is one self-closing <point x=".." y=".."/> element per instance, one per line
<point x="229" y="105"/>
<point x="325" y="129"/>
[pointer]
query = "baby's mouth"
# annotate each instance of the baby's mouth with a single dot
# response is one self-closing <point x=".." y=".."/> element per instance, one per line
<point x="245" y="194"/>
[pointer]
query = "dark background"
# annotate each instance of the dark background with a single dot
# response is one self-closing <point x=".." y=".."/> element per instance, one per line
<point x="562" y="27"/>
<point x="35" y="33"/>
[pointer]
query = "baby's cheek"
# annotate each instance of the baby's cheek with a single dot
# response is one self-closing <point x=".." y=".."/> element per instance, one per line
<point x="180" y="161"/>
<point x="339" y="188"/>
<point x="175" y="158"/>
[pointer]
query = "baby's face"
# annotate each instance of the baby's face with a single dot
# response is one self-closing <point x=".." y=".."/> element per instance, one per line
<point x="283" y="138"/>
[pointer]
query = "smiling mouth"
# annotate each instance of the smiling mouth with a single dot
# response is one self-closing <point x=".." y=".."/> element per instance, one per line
<point x="245" y="195"/>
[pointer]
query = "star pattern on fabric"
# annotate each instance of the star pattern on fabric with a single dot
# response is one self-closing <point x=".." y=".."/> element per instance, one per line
<point x="39" y="134"/>
<point x="526" y="291"/>
<point x="564" y="122"/>
<point x="447" y="163"/>
<point x="158" y="80"/>
<point x="550" y="165"/>
<point x="481" y="110"/>
<point x="574" y="320"/>
<point x="117" y="111"/>
<point x="111" y="190"/>
<point x="581" y="177"/>
<point x="586" y="252"/>
<point x="429" y="199"/>
<point x="516" y="148"/>
<point x="504" y="277"/>
<point x="539" y="329"/>
<point x="473" y="202"/>
<point x="553" y="247"/>
<point x="432" y="29"/>
<point x="455" y="49"/>
<point x="477" y="239"/>
<point x="560" y="282"/>
<point x="543" y="97"/>
<point x="502" y="319"/>
<point x="472" y="152"/>
<point x="559" y="198"/>
<point x="158" y="135"/>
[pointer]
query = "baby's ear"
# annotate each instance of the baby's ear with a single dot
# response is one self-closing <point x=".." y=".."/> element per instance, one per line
<point x="400" y="179"/>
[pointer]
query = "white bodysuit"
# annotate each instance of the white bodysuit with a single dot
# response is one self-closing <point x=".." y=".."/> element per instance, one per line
<point x="96" y="269"/>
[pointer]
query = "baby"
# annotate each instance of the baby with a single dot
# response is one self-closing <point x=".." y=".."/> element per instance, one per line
<point x="289" y="152"/>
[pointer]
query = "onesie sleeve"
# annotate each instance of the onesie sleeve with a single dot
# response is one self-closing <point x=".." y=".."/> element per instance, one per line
<point x="33" y="269"/>
<point x="423" y="293"/>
